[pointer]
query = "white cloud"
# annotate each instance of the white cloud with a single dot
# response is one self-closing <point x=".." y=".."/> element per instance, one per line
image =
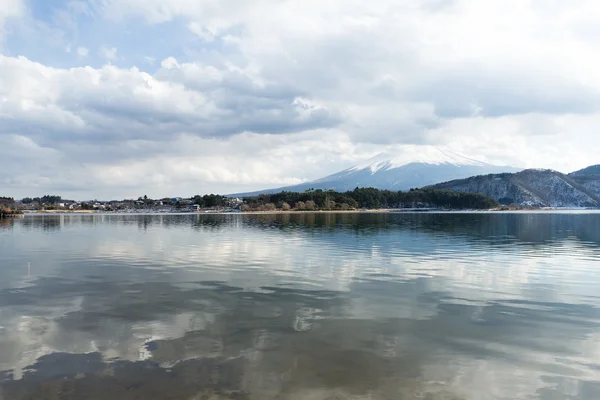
<point x="82" y="51"/>
<point x="399" y="66"/>
<point x="125" y="127"/>
<point x="112" y="104"/>
<point x="109" y="53"/>
<point x="9" y="9"/>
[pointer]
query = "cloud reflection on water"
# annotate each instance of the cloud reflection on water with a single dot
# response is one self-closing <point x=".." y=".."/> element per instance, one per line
<point x="456" y="305"/>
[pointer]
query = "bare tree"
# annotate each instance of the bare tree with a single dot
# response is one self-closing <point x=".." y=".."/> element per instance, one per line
<point x="268" y="207"/>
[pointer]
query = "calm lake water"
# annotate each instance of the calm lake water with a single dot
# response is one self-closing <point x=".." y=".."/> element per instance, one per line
<point x="304" y="306"/>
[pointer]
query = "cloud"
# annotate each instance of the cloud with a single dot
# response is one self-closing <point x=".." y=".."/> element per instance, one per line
<point x="401" y="69"/>
<point x="82" y="51"/>
<point x="505" y="56"/>
<point x="109" y="53"/>
<point x="9" y="9"/>
<point x="505" y="81"/>
<point x="109" y="103"/>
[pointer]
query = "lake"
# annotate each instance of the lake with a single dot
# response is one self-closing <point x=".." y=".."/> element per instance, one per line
<point x="318" y="306"/>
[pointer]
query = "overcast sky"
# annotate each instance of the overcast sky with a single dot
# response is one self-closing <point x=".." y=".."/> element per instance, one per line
<point x="121" y="98"/>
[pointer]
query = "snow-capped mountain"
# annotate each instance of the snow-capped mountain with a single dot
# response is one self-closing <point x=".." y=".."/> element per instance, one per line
<point x="411" y="167"/>
<point x="432" y="155"/>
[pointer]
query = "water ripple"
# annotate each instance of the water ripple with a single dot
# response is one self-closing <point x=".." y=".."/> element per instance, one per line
<point x="301" y="306"/>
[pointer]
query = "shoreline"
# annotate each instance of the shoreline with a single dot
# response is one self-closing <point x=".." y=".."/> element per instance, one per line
<point x="26" y="212"/>
<point x="276" y="212"/>
<point x="11" y="215"/>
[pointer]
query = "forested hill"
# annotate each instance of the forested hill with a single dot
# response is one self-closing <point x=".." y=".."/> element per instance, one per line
<point x="368" y="198"/>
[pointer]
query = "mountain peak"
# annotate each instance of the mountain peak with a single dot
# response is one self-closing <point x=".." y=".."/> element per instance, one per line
<point x="422" y="154"/>
<point x="411" y="166"/>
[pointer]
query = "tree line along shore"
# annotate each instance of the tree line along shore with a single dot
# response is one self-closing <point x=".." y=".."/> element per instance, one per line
<point x="309" y="200"/>
<point x="367" y="198"/>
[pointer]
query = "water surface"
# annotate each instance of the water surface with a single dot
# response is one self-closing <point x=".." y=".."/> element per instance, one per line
<point x="301" y="306"/>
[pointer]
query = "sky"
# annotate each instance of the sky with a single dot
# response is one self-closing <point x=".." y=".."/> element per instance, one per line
<point x="123" y="98"/>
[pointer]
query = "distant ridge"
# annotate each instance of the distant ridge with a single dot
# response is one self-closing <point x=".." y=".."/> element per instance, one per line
<point x="533" y="187"/>
<point x="413" y="166"/>
<point x="588" y="177"/>
<point x="592" y="170"/>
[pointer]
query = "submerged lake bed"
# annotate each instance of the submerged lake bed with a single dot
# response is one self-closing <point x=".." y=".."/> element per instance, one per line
<point x="301" y="306"/>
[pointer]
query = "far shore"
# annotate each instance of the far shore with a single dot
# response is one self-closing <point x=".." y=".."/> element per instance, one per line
<point x="62" y="212"/>
<point x="275" y="212"/>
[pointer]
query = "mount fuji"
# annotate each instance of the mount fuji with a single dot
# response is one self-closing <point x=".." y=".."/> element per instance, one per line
<point x="411" y="167"/>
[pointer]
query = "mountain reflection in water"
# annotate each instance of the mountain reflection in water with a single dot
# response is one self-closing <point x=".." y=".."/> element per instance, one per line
<point x="301" y="306"/>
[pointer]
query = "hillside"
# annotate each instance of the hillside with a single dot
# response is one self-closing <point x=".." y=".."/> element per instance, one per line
<point x="532" y="187"/>
<point x="588" y="177"/>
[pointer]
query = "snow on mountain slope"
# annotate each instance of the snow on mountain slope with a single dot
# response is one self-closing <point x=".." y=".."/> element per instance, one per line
<point x="589" y="178"/>
<point x="432" y="155"/>
<point x="411" y="167"/>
